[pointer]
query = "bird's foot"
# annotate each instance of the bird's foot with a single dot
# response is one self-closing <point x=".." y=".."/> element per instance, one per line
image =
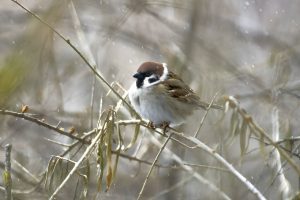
<point x="151" y="125"/>
<point x="164" y="127"/>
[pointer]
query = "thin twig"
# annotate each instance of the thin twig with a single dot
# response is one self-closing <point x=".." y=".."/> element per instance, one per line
<point x="57" y="142"/>
<point x="26" y="171"/>
<point x="73" y="145"/>
<point x="152" y="166"/>
<point x="207" y="167"/>
<point x="84" y="156"/>
<point x="203" y="118"/>
<point x="134" y="158"/>
<point x="7" y="173"/>
<point x="41" y="123"/>
<point x="276" y="165"/>
<point x="291" y="139"/>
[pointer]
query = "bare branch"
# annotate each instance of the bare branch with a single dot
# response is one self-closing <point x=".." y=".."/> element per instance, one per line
<point x="42" y="123"/>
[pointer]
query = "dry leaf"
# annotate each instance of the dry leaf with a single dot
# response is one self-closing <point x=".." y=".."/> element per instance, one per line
<point x="24" y="108"/>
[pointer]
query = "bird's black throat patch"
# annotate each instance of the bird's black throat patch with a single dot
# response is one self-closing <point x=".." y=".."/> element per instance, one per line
<point x="140" y="77"/>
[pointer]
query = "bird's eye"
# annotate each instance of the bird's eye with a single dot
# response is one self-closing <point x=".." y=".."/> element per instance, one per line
<point x="151" y="80"/>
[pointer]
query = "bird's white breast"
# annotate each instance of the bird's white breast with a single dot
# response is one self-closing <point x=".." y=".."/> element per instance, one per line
<point x="156" y="106"/>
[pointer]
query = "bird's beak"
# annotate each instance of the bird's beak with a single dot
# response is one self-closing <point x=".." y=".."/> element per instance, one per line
<point x="138" y="76"/>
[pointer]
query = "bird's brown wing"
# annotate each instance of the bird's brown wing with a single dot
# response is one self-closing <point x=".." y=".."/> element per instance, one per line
<point x="176" y="88"/>
<point x="181" y="91"/>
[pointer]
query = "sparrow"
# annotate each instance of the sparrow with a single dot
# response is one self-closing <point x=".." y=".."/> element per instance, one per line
<point x="162" y="97"/>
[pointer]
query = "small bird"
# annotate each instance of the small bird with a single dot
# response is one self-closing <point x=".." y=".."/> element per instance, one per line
<point x="162" y="97"/>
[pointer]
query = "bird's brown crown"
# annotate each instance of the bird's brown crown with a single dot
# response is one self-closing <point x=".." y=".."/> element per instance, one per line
<point x="151" y="68"/>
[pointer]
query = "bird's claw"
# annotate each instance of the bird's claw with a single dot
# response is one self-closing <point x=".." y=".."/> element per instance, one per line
<point x="164" y="127"/>
<point x="151" y="125"/>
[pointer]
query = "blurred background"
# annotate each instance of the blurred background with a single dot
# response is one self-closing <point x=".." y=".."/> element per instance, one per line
<point x="248" y="49"/>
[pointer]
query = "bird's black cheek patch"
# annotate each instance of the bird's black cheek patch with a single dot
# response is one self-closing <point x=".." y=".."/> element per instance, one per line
<point x="152" y="80"/>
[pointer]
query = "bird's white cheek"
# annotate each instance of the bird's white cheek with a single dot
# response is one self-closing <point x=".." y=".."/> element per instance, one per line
<point x="148" y="83"/>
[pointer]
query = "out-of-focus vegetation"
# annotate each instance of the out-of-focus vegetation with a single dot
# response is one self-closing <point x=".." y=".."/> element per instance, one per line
<point x="246" y="49"/>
